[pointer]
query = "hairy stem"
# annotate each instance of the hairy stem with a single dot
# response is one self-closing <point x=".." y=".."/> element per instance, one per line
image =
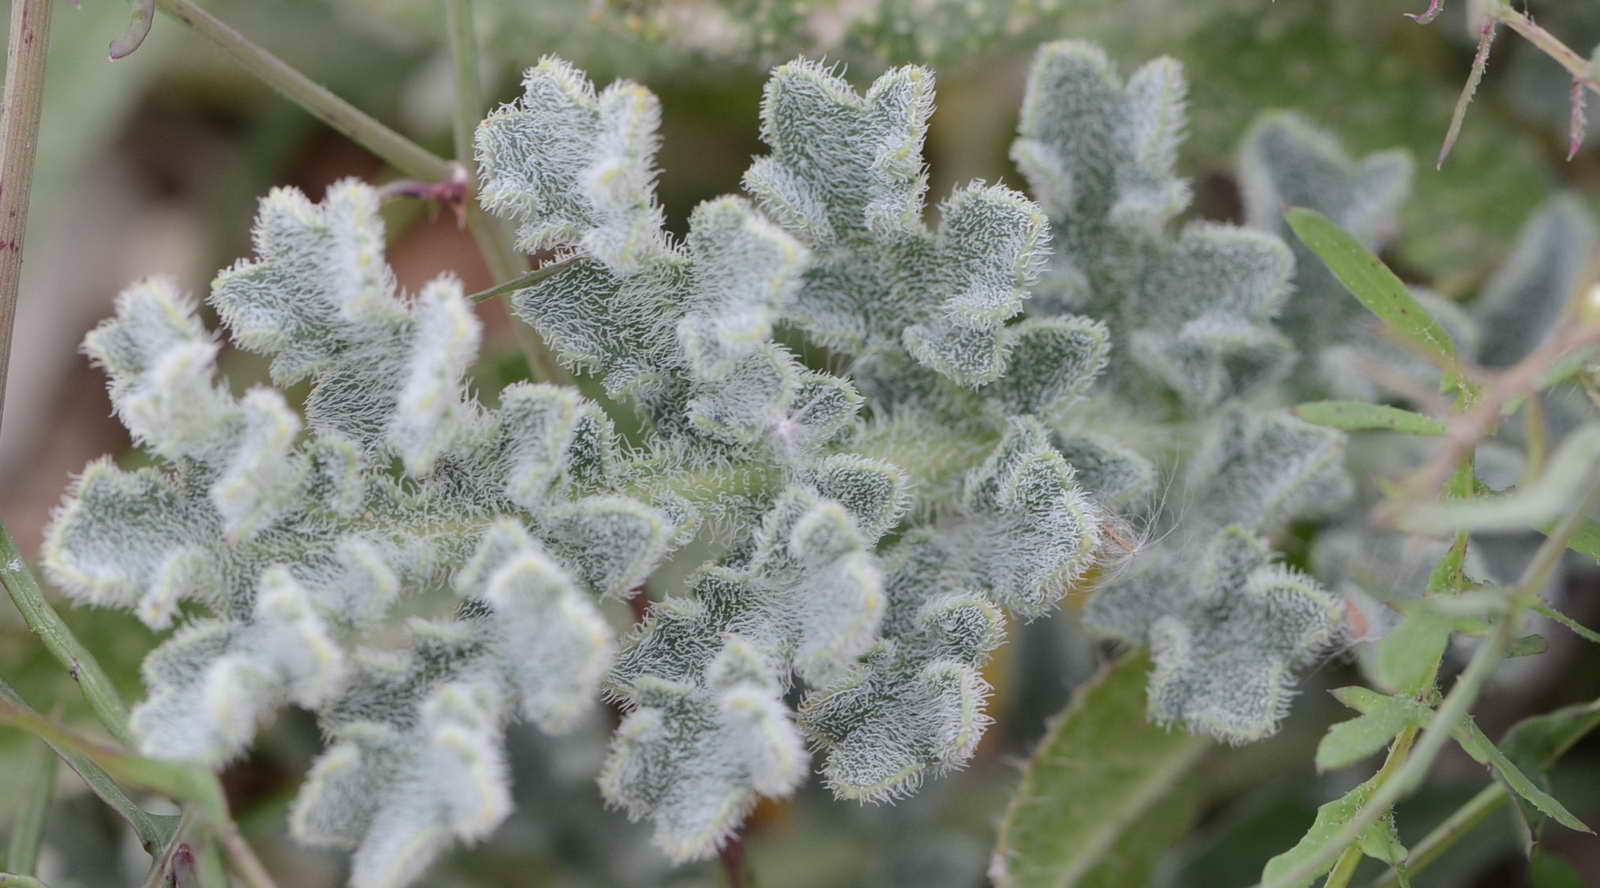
<point x="19" y="142"/>
<point x="59" y="640"/>
<point x="504" y="262"/>
<point x="400" y="152"/>
<point x="1547" y="43"/>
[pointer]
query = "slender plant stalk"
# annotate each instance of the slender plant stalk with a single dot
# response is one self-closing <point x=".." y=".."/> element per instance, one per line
<point x="400" y="152"/>
<point x="38" y="767"/>
<point x="19" y="142"/>
<point x="1455" y="827"/>
<point x="1548" y="43"/>
<point x="59" y="640"/>
<point x="527" y="279"/>
<point x="153" y="836"/>
<point x="505" y="263"/>
<point x="17" y="880"/>
<point x="469" y="96"/>
<point x="1345" y="869"/>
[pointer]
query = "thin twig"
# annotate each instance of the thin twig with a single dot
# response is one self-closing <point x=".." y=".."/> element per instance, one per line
<point x="19" y="141"/>
<point x="244" y="859"/>
<point x="403" y="154"/>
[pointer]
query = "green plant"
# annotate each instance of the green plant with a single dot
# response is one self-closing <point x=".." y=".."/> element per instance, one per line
<point x="864" y="439"/>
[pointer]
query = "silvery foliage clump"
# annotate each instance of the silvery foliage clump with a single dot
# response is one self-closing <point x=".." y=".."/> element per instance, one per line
<point x="991" y="445"/>
<point x="1199" y="359"/>
<point x="1285" y="160"/>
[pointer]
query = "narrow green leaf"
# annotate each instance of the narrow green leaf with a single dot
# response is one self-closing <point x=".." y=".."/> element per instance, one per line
<point x="16" y="880"/>
<point x="1535" y="744"/>
<point x="172" y="780"/>
<point x="1093" y="804"/>
<point x="1381" y="718"/>
<point x="1357" y="416"/>
<point x="154" y="830"/>
<point x="1408" y="656"/>
<point x="38" y="766"/>
<point x="1373" y="284"/>
<point x="1483" y="750"/>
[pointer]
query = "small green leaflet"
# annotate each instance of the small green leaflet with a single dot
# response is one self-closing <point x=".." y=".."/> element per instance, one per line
<point x="1103" y="793"/>
<point x="1408" y="656"/>
<point x="1374" y="285"/>
<point x="1356" y="416"/>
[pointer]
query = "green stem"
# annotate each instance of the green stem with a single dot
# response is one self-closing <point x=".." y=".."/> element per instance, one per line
<point x="16" y="880"/>
<point x="38" y="765"/>
<point x="505" y="263"/>
<point x="59" y="640"/>
<point x="527" y="279"/>
<point x="1455" y="827"/>
<point x="464" y="56"/>
<point x="19" y="142"/>
<point x="153" y="836"/>
<point x="400" y="152"/>
<point x="1345" y="869"/>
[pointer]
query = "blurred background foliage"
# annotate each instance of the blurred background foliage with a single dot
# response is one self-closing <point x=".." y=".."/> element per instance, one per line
<point x="152" y="165"/>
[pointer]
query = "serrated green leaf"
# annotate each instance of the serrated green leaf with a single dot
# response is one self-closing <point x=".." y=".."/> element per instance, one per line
<point x="1096" y="784"/>
<point x="1381" y="718"/>
<point x="1483" y="750"/>
<point x="32" y="809"/>
<point x="1373" y="284"/>
<point x="1355" y="416"/>
<point x="1331" y="818"/>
